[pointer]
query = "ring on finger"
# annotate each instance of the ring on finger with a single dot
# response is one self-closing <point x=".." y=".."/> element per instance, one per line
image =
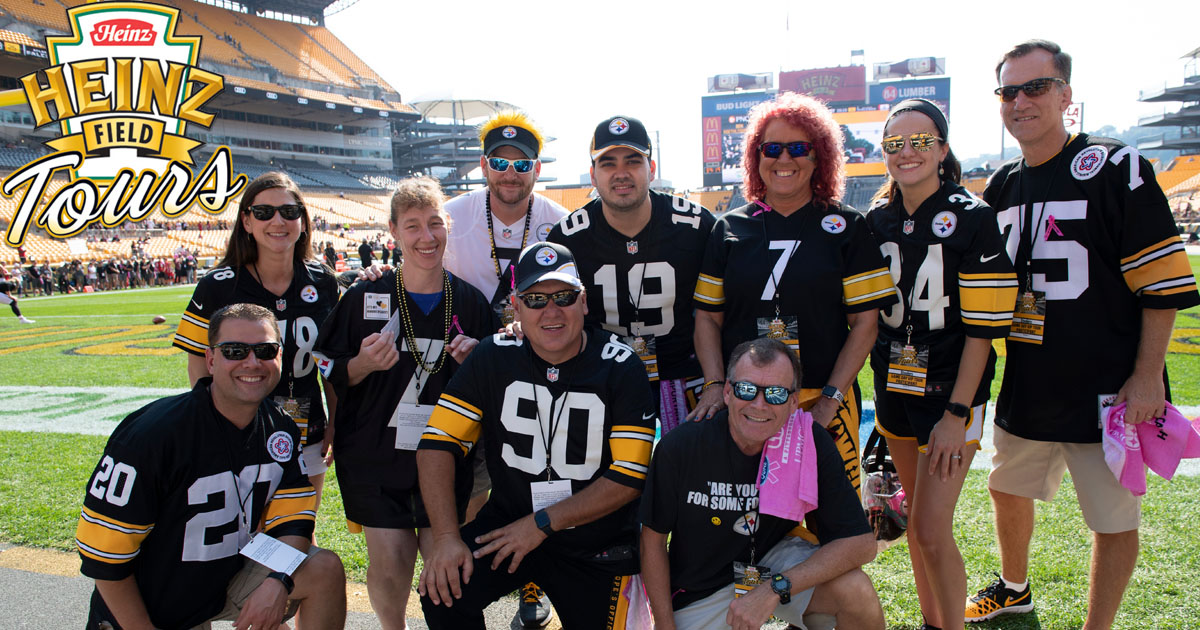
<point x="956" y="456"/>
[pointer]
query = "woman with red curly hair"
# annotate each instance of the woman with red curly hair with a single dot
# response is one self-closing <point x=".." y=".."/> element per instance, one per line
<point x="795" y="264"/>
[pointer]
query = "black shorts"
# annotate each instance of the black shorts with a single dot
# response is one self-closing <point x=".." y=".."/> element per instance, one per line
<point x="372" y="505"/>
<point x="585" y="592"/>
<point x="908" y="417"/>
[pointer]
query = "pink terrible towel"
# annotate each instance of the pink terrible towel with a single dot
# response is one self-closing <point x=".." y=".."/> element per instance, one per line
<point x="1159" y="443"/>
<point x="787" y="478"/>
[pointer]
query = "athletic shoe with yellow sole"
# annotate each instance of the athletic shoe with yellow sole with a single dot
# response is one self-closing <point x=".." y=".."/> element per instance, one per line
<point x="997" y="599"/>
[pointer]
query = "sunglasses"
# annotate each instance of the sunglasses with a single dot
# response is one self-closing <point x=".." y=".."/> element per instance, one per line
<point x="291" y="211"/>
<point x="236" y="350"/>
<point x="922" y="141"/>
<point x="1032" y="89"/>
<point x="796" y="149"/>
<point x="538" y="301"/>
<point x="774" y="394"/>
<point x="500" y="165"/>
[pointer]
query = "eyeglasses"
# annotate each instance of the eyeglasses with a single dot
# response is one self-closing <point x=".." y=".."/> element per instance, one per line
<point x="773" y="394"/>
<point x="538" y="301"/>
<point x="1032" y="89"/>
<point x="500" y="165"/>
<point x="236" y="350"/>
<point x="922" y="141"/>
<point x="291" y="211"/>
<point x="796" y="149"/>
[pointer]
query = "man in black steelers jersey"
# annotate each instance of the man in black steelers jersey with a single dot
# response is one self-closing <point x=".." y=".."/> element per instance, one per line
<point x="1101" y="272"/>
<point x="639" y="253"/>
<point x="702" y="492"/>
<point x="567" y="422"/>
<point x="187" y="482"/>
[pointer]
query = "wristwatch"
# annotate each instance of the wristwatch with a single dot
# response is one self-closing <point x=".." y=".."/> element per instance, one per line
<point x="285" y="578"/>
<point x="829" y="391"/>
<point x="542" y="520"/>
<point x="958" y="409"/>
<point x="782" y="587"/>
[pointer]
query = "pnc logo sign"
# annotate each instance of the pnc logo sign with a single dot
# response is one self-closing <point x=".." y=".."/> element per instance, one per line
<point x="123" y="87"/>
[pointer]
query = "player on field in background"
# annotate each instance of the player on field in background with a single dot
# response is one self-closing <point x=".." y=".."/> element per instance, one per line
<point x="491" y="227"/>
<point x="639" y="253"/>
<point x="1101" y="272"/>
<point x="6" y="295"/>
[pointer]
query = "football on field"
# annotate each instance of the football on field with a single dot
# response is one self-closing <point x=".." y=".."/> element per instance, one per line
<point x="158" y="319"/>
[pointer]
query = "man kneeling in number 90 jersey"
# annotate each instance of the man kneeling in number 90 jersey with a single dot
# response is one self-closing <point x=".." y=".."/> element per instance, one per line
<point x="184" y="484"/>
<point x="567" y="423"/>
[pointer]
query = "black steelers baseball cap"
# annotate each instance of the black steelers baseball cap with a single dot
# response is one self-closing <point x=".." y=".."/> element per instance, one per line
<point x="620" y="131"/>
<point x="511" y="136"/>
<point x="546" y="261"/>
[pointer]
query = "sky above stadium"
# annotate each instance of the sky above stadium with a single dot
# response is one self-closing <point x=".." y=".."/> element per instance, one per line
<point x="572" y="64"/>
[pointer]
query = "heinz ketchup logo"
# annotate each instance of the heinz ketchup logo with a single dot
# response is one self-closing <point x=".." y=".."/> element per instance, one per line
<point x="124" y="32"/>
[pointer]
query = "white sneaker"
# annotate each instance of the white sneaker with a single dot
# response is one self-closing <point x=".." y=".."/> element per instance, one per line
<point x="25" y="320"/>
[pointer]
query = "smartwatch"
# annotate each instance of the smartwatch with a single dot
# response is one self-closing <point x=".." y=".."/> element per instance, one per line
<point x="958" y="409"/>
<point x="288" y="583"/>
<point x="782" y="587"/>
<point x="542" y="520"/>
<point x="829" y="391"/>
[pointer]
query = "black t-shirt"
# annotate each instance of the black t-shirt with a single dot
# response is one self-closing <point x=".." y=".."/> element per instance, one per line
<point x="1104" y="248"/>
<point x="656" y="269"/>
<point x="162" y="504"/>
<point x="594" y="419"/>
<point x="824" y="263"/>
<point x="949" y="264"/>
<point x="300" y="311"/>
<point x="365" y="443"/>
<point x="701" y="490"/>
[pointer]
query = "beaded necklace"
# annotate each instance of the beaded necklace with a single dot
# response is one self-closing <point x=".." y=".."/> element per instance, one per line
<point x="411" y="337"/>
<point x="487" y="202"/>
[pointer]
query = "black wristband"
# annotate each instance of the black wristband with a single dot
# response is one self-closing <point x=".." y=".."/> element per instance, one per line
<point x="285" y="578"/>
<point x="542" y="520"/>
<point x="958" y="409"/>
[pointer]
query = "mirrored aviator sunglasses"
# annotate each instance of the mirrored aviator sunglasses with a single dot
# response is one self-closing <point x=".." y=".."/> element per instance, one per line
<point x="539" y="301"/>
<point x="774" y="394"/>
<point x="921" y="141"/>
<point x="796" y="149"/>
<point x="236" y="350"/>
<point x="291" y="211"/>
<point x="500" y="165"/>
<point x="1032" y="88"/>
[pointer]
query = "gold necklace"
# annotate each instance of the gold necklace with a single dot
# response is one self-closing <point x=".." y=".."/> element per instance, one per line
<point x="411" y="338"/>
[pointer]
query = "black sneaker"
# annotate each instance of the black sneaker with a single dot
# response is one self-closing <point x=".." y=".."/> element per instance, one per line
<point x="997" y="599"/>
<point x="535" y="610"/>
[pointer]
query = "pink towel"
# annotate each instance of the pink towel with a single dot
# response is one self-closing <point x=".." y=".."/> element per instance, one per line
<point x="787" y="479"/>
<point x="1160" y="443"/>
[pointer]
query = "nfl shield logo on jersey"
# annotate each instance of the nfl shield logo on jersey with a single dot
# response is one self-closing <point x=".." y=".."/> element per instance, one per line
<point x="552" y="374"/>
<point x="281" y="304"/>
<point x="631" y="247"/>
<point x="909" y="226"/>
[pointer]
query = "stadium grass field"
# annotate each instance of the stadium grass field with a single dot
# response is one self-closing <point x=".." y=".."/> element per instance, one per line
<point x="108" y="340"/>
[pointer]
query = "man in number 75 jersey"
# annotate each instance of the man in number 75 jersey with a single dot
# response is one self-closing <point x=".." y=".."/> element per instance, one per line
<point x="637" y="251"/>
<point x="1101" y="272"/>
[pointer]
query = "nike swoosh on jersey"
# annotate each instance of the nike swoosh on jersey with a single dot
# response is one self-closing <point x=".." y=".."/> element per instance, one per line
<point x="984" y="259"/>
<point x="647" y="416"/>
<point x="198" y="305"/>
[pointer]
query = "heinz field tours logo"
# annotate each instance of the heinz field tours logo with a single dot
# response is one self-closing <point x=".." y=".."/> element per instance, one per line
<point x="123" y="88"/>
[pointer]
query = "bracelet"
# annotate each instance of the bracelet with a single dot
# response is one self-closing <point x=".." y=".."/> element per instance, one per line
<point x="707" y="384"/>
<point x="285" y="578"/>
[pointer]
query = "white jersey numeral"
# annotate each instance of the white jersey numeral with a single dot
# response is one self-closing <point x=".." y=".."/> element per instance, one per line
<point x="304" y="330"/>
<point x="195" y="545"/>
<point x="575" y="222"/>
<point x="1135" y="165"/>
<point x="639" y="273"/>
<point x="581" y="464"/>
<point x="787" y="249"/>
<point x="1073" y="255"/>
<point x="929" y="291"/>
<point x="113" y="482"/>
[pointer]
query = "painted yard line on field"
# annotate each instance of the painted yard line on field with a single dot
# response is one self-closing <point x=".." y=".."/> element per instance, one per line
<point x="98" y="410"/>
<point x="61" y="296"/>
<point x="41" y="317"/>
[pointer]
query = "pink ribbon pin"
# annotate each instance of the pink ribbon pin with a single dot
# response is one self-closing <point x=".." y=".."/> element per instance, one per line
<point x="1051" y="226"/>
<point x="762" y="207"/>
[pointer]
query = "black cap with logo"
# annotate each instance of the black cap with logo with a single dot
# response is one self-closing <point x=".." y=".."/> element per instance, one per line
<point x="511" y="136"/>
<point x="620" y="131"/>
<point x="546" y="261"/>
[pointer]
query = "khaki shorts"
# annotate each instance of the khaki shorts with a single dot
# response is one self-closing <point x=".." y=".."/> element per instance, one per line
<point x="242" y="586"/>
<point x="1034" y="469"/>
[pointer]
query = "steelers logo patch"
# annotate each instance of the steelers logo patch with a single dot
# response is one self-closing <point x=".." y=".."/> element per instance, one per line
<point x="509" y="132"/>
<point x="618" y="126"/>
<point x="543" y="231"/>
<point x="944" y="224"/>
<point x="546" y="256"/>
<point x="309" y="294"/>
<point x="279" y="445"/>
<point x="1088" y="162"/>
<point x="833" y="223"/>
